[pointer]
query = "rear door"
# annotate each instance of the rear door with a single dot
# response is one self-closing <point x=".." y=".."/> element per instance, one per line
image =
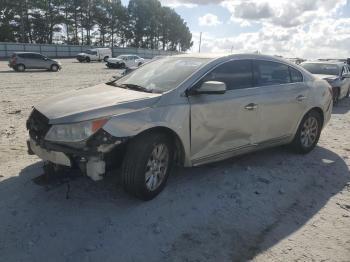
<point x="224" y="123"/>
<point x="283" y="99"/>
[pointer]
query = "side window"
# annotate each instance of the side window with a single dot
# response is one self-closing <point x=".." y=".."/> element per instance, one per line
<point x="36" y="56"/>
<point x="295" y="75"/>
<point x="270" y="73"/>
<point x="235" y="74"/>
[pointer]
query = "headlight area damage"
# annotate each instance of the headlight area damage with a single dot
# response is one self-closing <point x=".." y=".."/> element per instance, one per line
<point x="85" y="145"/>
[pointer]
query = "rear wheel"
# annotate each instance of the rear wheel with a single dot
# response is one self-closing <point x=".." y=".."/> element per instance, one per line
<point x="54" y="68"/>
<point x="348" y="93"/>
<point x="88" y="59"/>
<point x="308" y="133"/>
<point x="147" y="165"/>
<point x="140" y="64"/>
<point x="20" y="68"/>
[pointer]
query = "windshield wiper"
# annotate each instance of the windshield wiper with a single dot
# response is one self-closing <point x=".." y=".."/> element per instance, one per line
<point x="136" y="87"/>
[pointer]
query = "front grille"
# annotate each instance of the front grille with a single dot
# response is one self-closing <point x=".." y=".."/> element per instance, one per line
<point x="38" y="125"/>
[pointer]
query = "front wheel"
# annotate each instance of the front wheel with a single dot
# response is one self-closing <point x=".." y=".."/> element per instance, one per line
<point x="308" y="133"/>
<point x="105" y="58"/>
<point x="88" y="60"/>
<point x="147" y="165"/>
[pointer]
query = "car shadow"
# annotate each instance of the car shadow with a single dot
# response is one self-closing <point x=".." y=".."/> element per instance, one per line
<point x="224" y="211"/>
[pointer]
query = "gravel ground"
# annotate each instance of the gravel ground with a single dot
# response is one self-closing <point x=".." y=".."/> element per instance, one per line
<point x="267" y="206"/>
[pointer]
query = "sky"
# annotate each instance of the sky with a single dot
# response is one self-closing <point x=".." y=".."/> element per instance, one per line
<point x="292" y="28"/>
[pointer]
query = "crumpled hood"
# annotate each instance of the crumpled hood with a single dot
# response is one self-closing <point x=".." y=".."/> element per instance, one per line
<point x="94" y="102"/>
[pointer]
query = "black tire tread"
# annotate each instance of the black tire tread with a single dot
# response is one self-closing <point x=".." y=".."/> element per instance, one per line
<point x="133" y="165"/>
<point x="296" y="145"/>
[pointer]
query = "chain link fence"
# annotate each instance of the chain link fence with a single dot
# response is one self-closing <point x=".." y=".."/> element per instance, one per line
<point x="69" y="51"/>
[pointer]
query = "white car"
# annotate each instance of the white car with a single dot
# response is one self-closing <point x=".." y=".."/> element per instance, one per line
<point x="96" y="54"/>
<point x="124" y="61"/>
<point x="189" y="109"/>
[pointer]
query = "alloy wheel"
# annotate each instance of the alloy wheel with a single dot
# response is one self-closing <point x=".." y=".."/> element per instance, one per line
<point x="309" y="132"/>
<point x="157" y="166"/>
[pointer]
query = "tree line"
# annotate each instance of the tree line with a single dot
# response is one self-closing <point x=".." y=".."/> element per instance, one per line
<point x="141" y="24"/>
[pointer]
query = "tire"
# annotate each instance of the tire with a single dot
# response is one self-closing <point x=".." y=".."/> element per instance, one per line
<point x="139" y="64"/>
<point x="54" y="68"/>
<point x="348" y="93"/>
<point x="122" y="66"/>
<point x="88" y="60"/>
<point x="141" y="161"/>
<point x="105" y="58"/>
<point x="308" y="133"/>
<point x="20" y="68"/>
<point x="336" y="93"/>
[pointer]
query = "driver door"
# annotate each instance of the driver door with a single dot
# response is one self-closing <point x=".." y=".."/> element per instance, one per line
<point x="223" y="124"/>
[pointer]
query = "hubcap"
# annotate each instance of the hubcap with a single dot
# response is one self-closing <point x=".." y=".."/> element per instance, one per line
<point x="157" y="166"/>
<point x="309" y="132"/>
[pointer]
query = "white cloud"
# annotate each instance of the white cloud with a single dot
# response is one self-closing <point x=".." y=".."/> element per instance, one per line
<point x="303" y="28"/>
<point x="311" y="42"/>
<point x="208" y="20"/>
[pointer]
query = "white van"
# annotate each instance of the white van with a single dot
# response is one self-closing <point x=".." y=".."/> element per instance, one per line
<point x="96" y="54"/>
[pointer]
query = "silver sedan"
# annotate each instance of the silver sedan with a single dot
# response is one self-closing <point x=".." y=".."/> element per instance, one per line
<point x="187" y="110"/>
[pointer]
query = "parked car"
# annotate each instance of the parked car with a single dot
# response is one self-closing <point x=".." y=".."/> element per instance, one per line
<point x="20" y="61"/>
<point x="337" y="74"/>
<point x="184" y="109"/>
<point x="96" y="54"/>
<point x="124" y="61"/>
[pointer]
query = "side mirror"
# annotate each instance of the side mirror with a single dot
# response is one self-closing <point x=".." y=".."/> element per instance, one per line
<point x="211" y="88"/>
<point x="346" y="75"/>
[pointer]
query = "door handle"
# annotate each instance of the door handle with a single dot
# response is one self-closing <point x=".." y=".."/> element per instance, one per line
<point x="301" y="98"/>
<point x="251" y="107"/>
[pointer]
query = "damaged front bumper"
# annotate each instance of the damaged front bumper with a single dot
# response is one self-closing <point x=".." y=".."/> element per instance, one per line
<point x="90" y="156"/>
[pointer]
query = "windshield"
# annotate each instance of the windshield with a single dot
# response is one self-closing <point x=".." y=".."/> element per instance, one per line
<point x="161" y="75"/>
<point x="321" y="69"/>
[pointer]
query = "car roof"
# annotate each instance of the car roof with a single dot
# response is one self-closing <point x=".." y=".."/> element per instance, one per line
<point x="229" y="56"/>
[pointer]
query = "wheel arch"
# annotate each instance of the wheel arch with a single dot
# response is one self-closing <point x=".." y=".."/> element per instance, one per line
<point x="320" y="111"/>
<point x="179" y="147"/>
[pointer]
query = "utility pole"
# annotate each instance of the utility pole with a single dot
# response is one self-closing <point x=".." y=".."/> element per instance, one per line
<point x="200" y="42"/>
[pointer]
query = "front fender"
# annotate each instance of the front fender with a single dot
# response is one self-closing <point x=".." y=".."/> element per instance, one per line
<point x="174" y="117"/>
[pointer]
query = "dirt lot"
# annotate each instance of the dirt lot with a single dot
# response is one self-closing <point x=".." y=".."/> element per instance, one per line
<point x="267" y="206"/>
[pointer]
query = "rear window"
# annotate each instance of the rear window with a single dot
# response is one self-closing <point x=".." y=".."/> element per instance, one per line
<point x="270" y="73"/>
<point x="295" y="75"/>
